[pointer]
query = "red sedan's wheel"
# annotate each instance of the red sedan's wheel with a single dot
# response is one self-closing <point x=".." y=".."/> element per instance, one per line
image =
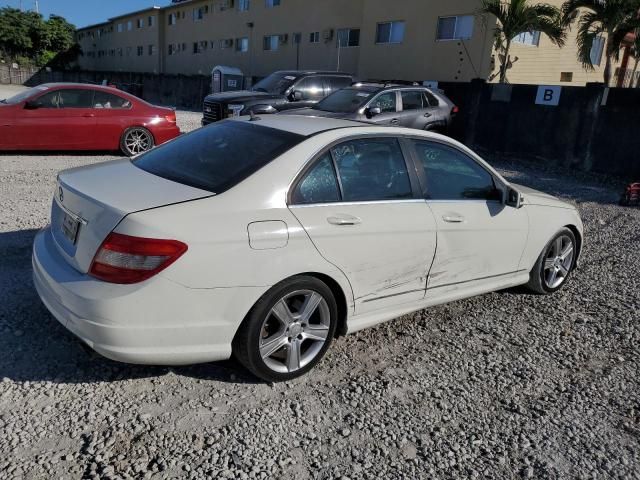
<point x="136" y="140"/>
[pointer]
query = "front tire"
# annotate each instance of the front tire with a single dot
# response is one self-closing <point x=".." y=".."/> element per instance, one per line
<point x="555" y="263"/>
<point x="136" y="140"/>
<point x="288" y="330"/>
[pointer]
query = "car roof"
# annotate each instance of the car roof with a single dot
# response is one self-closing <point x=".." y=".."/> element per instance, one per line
<point x="80" y="85"/>
<point x="313" y="72"/>
<point x="301" y="125"/>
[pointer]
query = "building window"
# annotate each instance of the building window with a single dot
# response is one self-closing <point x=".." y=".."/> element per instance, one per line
<point x="140" y="50"/>
<point x="390" y="32"/>
<point x="129" y="25"/>
<point x="566" y="76"/>
<point x="172" y="19"/>
<point x="140" y="23"/>
<point x="349" y="37"/>
<point x="596" y="50"/>
<point x="271" y="3"/>
<point x="199" y="13"/>
<point x="528" y="38"/>
<point x="129" y="49"/>
<point x="314" y="37"/>
<point x="120" y="51"/>
<point x="200" y="47"/>
<point x="152" y="49"/>
<point x="120" y="28"/>
<point x="226" y="43"/>
<point x="242" y="44"/>
<point x="150" y="21"/>
<point x="271" y="42"/>
<point x="455" y="28"/>
<point x="243" y="5"/>
<point x="170" y="49"/>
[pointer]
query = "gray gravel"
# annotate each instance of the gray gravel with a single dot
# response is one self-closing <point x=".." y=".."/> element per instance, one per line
<point x="507" y="385"/>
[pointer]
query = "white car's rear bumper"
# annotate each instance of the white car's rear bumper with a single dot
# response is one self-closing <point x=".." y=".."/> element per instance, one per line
<point x="155" y="322"/>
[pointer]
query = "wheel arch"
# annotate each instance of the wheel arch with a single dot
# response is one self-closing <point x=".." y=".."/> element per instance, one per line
<point x="576" y="232"/>
<point x="334" y="286"/>
<point x="340" y="297"/>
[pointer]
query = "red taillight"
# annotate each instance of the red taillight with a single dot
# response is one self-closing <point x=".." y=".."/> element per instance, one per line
<point x="170" y="118"/>
<point x="126" y="259"/>
<point x="455" y="109"/>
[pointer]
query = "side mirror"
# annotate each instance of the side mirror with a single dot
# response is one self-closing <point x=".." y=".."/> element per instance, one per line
<point x="296" y="96"/>
<point x="372" y="112"/>
<point x="513" y="198"/>
<point x="32" y="104"/>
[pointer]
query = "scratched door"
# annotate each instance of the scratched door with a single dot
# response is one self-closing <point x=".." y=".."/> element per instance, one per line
<point x="375" y="231"/>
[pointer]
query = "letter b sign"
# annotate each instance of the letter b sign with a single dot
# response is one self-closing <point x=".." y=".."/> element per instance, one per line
<point x="548" y="95"/>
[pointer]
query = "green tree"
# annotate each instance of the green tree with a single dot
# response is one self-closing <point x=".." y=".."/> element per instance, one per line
<point x="613" y="19"/>
<point x="517" y="17"/>
<point x="26" y="35"/>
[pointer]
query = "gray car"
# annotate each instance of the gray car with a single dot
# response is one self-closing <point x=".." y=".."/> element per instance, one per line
<point x="410" y="106"/>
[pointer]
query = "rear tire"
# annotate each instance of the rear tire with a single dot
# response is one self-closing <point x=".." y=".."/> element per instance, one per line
<point x="288" y="330"/>
<point x="136" y="140"/>
<point x="555" y="264"/>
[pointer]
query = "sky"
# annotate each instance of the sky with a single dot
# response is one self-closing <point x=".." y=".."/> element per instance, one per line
<point x="84" y="12"/>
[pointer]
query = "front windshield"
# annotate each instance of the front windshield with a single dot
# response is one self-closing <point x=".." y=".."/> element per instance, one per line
<point x="348" y="100"/>
<point x="22" y="96"/>
<point x="276" y="83"/>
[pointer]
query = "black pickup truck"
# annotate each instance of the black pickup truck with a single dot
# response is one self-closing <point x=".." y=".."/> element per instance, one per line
<point x="279" y="91"/>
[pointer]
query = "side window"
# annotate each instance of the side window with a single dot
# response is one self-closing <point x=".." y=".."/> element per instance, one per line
<point x="75" y="98"/>
<point x="337" y="83"/>
<point x="386" y="102"/>
<point x="311" y="88"/>
<point x="319" y="184"/>
<point x="372" y="169"/>
<point x="48" y="100"/>
<point x="430" y="99"/>
<point x="412" y="100"/>
<point x="452" y="175"/>
<point x="109" y="100"/>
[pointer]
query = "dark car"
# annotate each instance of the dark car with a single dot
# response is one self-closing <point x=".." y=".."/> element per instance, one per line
<point x="411" y="106"/>
<point x="279" y="91"/>
<point x="78" y="116"/>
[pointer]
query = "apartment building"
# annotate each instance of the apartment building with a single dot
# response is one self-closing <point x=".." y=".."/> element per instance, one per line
<point x="436" y="40"/>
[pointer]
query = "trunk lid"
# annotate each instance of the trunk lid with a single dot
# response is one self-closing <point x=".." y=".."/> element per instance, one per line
<point x="90" y="201"/>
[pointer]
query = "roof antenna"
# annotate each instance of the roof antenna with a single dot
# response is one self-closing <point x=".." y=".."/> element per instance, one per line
<point x="253" y="116"/>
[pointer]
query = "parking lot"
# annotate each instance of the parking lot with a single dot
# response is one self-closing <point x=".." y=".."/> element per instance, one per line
<point x="507" y="385"/>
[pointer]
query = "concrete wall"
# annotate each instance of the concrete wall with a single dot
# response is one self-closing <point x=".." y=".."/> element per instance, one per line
<point x="421" y="55"/>
<point x="589" y="130"/>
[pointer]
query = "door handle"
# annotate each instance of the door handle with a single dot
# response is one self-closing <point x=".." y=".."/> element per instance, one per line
<point x="427" y="115"/>
<point x="452" y="219"/>
<point x="88" y="115"/>
<point x="342" y="220"/>
<point x="394" y="121"/>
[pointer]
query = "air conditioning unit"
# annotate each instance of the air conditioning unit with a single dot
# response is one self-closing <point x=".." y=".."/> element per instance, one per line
<point x="283" y="38"/>
<point x="327" y="34"/>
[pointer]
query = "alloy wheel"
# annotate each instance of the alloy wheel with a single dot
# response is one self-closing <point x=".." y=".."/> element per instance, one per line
<point x="137" y="141"/>
<point x="294" y="331"/>
<point x="558" y="261"/>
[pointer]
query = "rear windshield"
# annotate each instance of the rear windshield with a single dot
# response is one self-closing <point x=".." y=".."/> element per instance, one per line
<point x="217" y="157"/>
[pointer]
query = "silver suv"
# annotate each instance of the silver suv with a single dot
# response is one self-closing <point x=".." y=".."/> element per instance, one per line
<point x="411" y="106"/>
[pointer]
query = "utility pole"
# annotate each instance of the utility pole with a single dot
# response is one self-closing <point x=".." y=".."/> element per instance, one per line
<point x="37" y="7"/>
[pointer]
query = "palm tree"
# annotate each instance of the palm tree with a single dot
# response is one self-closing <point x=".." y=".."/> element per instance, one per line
<point x="518" y="17"/>
<point x="635" y="50"/>
<point x="597" y="18"/>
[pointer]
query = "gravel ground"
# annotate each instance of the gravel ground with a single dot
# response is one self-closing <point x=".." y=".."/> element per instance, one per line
<point x="507" y="385"/>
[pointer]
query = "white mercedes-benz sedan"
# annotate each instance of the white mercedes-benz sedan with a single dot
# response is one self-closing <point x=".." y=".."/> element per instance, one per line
<point x="265" y="238"/>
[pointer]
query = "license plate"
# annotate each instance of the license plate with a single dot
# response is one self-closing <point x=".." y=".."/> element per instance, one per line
<point x="70" y="228"/>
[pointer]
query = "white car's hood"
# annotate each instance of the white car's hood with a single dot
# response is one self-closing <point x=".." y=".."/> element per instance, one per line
<point x="536" y="197"/>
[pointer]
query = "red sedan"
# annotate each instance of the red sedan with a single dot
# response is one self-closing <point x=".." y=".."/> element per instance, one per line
<point x="77" y="116"/>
